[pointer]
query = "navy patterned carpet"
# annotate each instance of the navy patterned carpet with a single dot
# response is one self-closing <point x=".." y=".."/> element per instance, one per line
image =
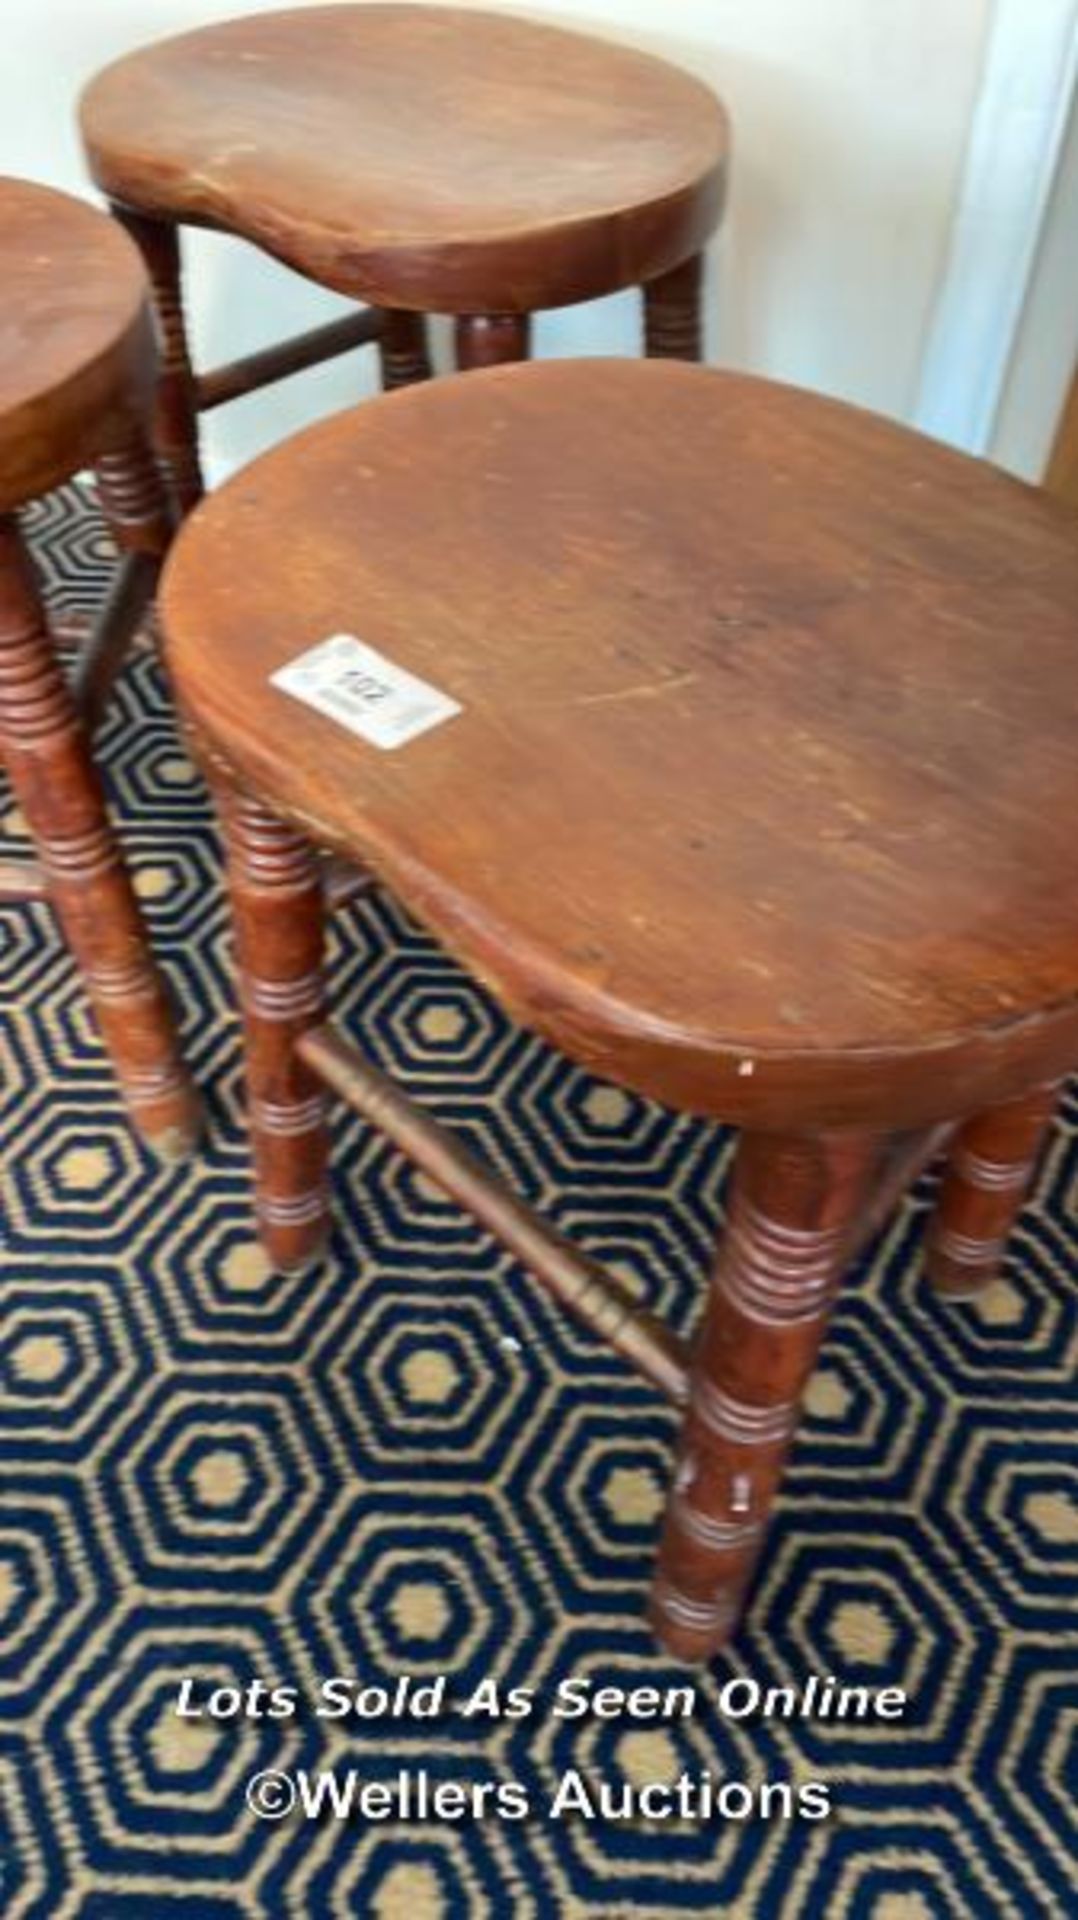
<point x="409" y="1463"/>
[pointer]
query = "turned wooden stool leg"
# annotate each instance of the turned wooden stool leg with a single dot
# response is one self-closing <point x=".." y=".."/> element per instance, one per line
<point x="56" y="785"/>
<point x="791" y="1213"/>
<point x="403" y="350"/>
<point x="487" y="339"/>
<point x="673" y="325"/>
<point x="275" y="884"/>
<point x="136" y="509"/>
<point x="989" y="1170"/>
<point x="133" y="499"/>
<point x="176" y="413"/>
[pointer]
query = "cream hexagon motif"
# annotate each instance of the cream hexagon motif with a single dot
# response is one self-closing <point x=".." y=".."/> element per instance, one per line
<point x="633" y="1495"/>
<point x="425" y="1874"/>
<point x="598" y="1495"/>
<point x="850" y="1404"/>
<point x="137" y="1759"/>
<point x="429" y="1374"/>
<point x="411" y="1381"/>
<point x="909" y="1905"/>
<point x="440" y="1024"/>
<point x="648" y="1754"/>
<point x="606" y="1106"/>
<point x="220" y="1477"/>
<point x="233" y="1480"/>
<point x="1054" y="1515"/>
<point x="1000" y="1305"/>
<point x="484" y="1581"/>
<point x="862" y="1632"/>
<point x="439" y="1018"/>
<point x="83" y="1169"/>
<point x="411" y="1890"/>
<point x="67" y="1366"/>
<point x="419" y="1610"/>
<point x="175" y="770"/>
<point x="210" y="1275"/>
<point x="690" y="1854"/>
<point x="416" y="1609"/>
<point x="183" y="1746"/>
<point x="39" y="1358"/>
<point x="154" y="882"/>
<point x="827" y="1397"/>
<point x="893" y="1606"/>
<point x="86" y="1171"/>
<point x="246" y="1267"/>
<point x="1013" y="1505"/>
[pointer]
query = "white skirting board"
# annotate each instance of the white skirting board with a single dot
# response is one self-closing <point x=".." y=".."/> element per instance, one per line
<point x="1016" y="139"/>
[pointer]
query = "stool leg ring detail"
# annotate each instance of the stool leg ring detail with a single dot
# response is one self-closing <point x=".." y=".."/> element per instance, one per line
<point x="403" y="350"/>
<point x="491" y="339"/>
<point x="55" y="782"/>
<point x="275" y="884"/>
<point x="136" y="509"/>
<point x="673" y="323"/>
<point x="176" y="424"/>
<point x="793" y="1205"/>
<point x="989" y="1172"/>
<point x="132" y="495"/>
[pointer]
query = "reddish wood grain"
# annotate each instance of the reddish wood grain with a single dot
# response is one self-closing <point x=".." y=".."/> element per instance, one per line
<point x="794" y="1204"/>
<point x="419" y="157"/>
<point x="989" y="1172"/>
<point x="136" y="508"/>
<point x="275" y="886"/>
<point x="404" y="351"/>
<point x="131" y="495"/>
<point x="47" y="760"/>
<point x="176" y="421"/>
<point x="491" y="339"/>
<point x="673" y="320"/>
<point x="767" y="707"/>
<point x="756" y="802"/>
<point x="77" y="352"/>
<point x="76" y="381"/>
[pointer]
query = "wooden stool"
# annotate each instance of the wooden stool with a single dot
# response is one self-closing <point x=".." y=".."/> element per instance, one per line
<point x="427" y="159"/>
<point x="759" y="801"/>
<point x="77" y="369"/>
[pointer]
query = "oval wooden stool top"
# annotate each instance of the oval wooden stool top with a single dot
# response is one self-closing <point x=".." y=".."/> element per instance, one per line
<point x="422" y="157"/>
<point x="76" y="339"/>
<point x="761" y="798"/>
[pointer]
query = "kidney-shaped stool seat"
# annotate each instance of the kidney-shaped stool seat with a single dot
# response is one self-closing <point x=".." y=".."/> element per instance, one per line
<point x="757" y="798"/>
<point x="425" y="159"/>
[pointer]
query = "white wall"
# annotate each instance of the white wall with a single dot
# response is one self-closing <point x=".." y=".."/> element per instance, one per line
<point x="851" y="122"/>
<point x="1043" y="355"/>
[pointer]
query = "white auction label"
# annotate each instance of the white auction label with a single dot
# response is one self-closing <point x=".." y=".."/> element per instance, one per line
<point x="356" y="685"/>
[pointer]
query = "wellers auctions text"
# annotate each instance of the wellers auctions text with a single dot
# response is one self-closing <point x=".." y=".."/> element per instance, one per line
<point x="423" y="1796"/>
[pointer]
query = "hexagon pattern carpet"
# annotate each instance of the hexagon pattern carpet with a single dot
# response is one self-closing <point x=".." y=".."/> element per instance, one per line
<point x="410" y="1462"/>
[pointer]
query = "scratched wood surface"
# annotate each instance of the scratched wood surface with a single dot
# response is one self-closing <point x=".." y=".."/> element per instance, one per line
<point x="762" y="796"/>
<point x="76" y="340"/>
<point x="420" y="157"/>
<point x="76" y="374"/>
